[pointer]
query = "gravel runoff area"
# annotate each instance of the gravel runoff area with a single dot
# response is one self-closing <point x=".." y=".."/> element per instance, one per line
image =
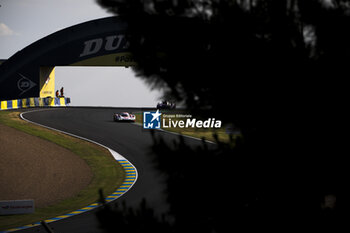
<point x="33" y="168"/>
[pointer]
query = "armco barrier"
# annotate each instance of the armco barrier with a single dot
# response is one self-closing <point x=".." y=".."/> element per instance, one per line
<point x="35" y="102"/>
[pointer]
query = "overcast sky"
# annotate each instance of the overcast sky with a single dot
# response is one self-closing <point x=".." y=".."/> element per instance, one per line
<point x="23" y="22"/>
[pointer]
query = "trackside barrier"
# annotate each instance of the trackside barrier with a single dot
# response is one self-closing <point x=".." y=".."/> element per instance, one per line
<point x="35" y="102"/>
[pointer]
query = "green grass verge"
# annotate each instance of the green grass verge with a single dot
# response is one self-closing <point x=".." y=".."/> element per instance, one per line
<point x="108" y="175"/>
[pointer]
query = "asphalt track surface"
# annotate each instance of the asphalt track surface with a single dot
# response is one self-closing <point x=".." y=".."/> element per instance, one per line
<point x="128" y="139"/>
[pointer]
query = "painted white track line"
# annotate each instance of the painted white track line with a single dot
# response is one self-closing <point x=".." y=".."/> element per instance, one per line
<point x="131" y="176"/>
<point x="178" y="134"/>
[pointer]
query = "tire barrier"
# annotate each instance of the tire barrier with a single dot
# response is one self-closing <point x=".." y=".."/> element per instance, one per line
<point x="35" y="102"/>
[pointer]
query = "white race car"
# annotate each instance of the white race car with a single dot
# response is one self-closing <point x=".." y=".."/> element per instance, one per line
<point x="124" y="116"/>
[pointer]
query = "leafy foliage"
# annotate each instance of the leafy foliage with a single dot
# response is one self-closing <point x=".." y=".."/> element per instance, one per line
<point x="274" y="68"/>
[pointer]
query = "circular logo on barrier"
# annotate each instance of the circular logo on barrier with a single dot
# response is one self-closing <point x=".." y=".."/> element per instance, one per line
<point x="24" y="84"/>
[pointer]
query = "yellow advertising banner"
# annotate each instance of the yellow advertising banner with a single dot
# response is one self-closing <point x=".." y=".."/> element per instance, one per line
<point x="115" y="59"/>
<point x="47" y="82"/>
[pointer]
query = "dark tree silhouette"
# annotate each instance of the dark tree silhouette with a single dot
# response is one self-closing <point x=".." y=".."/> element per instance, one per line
<point x="274" y="68"/>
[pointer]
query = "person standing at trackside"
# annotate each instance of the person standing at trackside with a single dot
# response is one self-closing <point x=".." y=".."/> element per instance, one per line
<point x="62" y="95"/>
<point x="57" y="94"/>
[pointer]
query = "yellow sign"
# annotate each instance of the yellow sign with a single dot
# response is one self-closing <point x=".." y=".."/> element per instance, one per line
<point x="47" y="82"/>
<point x="115" y="59"/>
